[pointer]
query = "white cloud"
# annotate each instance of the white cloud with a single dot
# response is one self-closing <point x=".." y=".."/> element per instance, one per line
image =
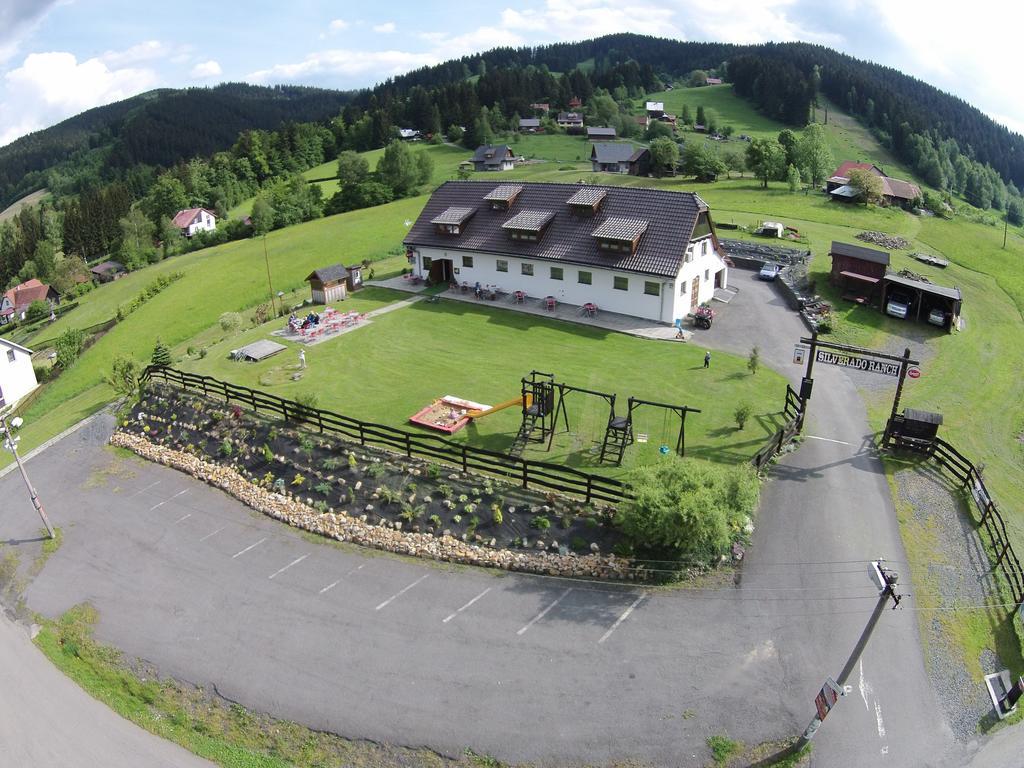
<point x="337" y="25"/>
<point x="344" y="63"/>
<point x="145" y="51"/>
<point x="386" y="28"/>
<point x="18" y="20"/>
<point x="206" y="69"/>
<point x="49" y="87"/>
<point x="579" y="19"/>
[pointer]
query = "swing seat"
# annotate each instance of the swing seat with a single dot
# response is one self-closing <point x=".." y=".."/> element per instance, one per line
<point x="619" y="423"/>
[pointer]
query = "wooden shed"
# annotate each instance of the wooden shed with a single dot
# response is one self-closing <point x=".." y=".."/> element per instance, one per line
<point x="933" y="303"/>
<point x="329" y="284"/>
<point x="355" y="277"/>
<point x="857" y="269"/>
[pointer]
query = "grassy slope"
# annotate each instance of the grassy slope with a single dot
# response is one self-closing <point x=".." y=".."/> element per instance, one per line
<point x="15" y="208"/>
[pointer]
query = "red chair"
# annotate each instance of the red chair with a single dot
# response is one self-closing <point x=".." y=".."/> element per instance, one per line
<point x="519" y="297"/>
<point x="549" y="303"/>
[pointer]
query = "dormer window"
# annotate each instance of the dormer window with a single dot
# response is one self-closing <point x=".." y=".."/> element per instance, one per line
<point x="501" y="198"/>
<point x="528" y="226"/>
<point x="587" y="201"/>
<point x="619" y="235"/>
<point x="452" y="221"/>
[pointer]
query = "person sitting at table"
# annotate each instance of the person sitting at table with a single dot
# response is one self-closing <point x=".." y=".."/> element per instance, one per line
<point x="476" y="289"/>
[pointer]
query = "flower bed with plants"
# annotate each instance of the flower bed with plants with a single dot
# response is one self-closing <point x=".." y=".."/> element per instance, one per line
<point x="370" y="496"/>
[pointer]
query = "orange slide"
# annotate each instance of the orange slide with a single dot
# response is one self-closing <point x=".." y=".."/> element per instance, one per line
<point x="528" y="398"/>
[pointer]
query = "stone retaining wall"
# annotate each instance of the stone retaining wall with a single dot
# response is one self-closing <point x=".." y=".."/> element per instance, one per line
<point x="344" y="527"/>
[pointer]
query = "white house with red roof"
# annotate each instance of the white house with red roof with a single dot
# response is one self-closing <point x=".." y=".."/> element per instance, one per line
<point x="194" y="220"/>
<point x="17" y="377"/>
<point x="14" y="303"/>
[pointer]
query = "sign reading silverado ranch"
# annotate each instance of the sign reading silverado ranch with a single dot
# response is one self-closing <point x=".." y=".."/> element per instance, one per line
<point x="858" y="363"/>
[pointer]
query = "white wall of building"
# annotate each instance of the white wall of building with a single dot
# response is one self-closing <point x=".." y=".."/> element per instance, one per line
<point x="204" y="222"/>
<point x="671" y="301"/>
<point x="17" y="378"/>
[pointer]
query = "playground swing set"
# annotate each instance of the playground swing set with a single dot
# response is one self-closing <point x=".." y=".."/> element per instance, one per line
<point x="542" y="400"/>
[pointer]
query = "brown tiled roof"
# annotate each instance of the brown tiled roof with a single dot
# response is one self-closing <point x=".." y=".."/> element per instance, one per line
<point x="24" y="294"/>
<point x="503" y="193"/>
<point x="670" y="218"/>
<point x="589" y="196"/>
<point x="183" y="218"/>
<point x="899" y="188"/>
<point x="529" y="221"/>
<point x="453" y="215"/>
<point x="620" y="228"/>
<point x="328" y="274"/>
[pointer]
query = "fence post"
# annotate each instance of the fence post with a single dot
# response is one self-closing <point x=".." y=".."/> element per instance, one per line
<point x="362" y="434"/>
<point x="284" y="409"/>
<point x="590" y="487"/>
<point x="320" y="420"/>
<point x="408" y="445"/>
<point x="465" y="463"/>
<point x="252" y="397"/>
<point x="526" y="474"/>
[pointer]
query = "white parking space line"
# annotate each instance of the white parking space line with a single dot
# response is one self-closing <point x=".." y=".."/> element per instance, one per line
<point x="622" y="618"/>
<point x="156" y="506"/>
<point x="332" y="585"/>
<point x="251" y="546"/>
<point x="399" y="593"/>
<point x="544" y="613"/>
<point x="466" y="605"/>
<point x="828" y="440"/>
<point x="143" y="490"/>
<point x="296" y="561"/>
<point x="182" y="518"/>
<point x="214" y="533"/>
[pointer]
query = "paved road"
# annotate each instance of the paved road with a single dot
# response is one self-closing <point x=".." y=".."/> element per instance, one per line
<point x="525" y="668"/>
<point x="47" y="720"/>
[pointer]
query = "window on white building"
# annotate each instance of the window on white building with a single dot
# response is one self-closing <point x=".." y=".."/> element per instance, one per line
<point x="556" y="273"/>
<point x="10" y="355"/>
<point x="501" y="265"/>
<point x="467" y="261"/>
<point x="620" y="283"/>
<point x="682" y="288"/>
<point x="528" y="269"/>
<point x="584" y="278"/>
<point x="707" y="275"/>
<point x="652" y="288"/>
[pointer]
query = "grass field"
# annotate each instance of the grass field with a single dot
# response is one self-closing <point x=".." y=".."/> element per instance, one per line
<point x="388" y="370"/>
<point x="15" y="208"/>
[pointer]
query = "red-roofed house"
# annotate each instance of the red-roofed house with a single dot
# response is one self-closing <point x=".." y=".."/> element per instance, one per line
<point x="195" y="220"/>
<point x="16" y="301"/>
<point x="894" y="191"/>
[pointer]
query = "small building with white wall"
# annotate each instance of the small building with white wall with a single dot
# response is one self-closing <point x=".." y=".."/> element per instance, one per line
<point x="17" y="377"/>
<point x="637" y="251"/>
<point x="194" y="220"/>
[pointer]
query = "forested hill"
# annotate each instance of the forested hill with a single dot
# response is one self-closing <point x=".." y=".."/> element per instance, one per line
<point x="158" y="128"/>
<point x="778" y="78"/>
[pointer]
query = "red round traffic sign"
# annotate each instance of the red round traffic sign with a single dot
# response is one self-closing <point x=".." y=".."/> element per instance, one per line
<point x="914" y="373"/>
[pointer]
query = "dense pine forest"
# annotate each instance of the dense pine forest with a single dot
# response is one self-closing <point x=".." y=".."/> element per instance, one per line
<point x="117" y="173"/>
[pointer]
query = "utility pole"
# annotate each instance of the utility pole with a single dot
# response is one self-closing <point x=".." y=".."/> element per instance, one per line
<point x="1006" y="225"/>
<point x="11" y="444"/>
<point x="266" y="258"/>
<point x="886" y="581"/>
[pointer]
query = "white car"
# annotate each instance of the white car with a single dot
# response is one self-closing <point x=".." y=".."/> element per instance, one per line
<point x="898" y="306"/>
<point x="937" y="317"/>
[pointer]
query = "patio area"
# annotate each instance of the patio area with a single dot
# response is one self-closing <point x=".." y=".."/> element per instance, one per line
<point x="547" y="306"/>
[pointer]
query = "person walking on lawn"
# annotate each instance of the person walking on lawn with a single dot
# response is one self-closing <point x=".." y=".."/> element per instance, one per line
<point x="707" y="359"/>
<point x="302" y="359"/>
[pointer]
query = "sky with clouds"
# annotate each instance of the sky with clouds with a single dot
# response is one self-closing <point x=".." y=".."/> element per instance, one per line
<point x="60" y="57"/>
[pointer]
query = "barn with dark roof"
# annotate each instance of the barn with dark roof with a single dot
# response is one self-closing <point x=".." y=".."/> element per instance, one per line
<point x="645" y="252"/>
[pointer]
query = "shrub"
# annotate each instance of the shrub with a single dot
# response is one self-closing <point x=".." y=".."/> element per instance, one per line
<point x="754" y="361"/>
<point x="161" y="354"/>
<point x="496" y="517"/>
<point x="540" y="523"/>
<point x="684" y="507"/>
<point x="226" y="449"/>
<point x="741" y="414"/>
<point x="308" y="400"/>
<point x="37" y="310"/>
<point x="69" y="346"/>
<point x="230" y="321"/>
<point x="435" y="521"/>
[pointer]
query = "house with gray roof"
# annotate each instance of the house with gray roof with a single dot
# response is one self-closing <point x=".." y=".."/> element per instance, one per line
<point x="649" y="253"/>
<point x="620" y="157"/>
<point x="493" y="158"/>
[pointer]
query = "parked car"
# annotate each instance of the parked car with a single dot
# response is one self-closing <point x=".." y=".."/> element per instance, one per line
<point x="769" y="271"/>
<point x="898" y="305"/>
<point x="937" y="317"/>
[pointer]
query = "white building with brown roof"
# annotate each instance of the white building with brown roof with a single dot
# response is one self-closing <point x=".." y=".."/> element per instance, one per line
<point x="193" y="220"/>
<point x="637" y="251"/>
<point x="17" y="377"/>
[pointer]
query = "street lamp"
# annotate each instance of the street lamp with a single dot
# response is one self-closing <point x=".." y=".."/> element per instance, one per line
<point x="266" y="258"/>
<point x="11" y="444"/>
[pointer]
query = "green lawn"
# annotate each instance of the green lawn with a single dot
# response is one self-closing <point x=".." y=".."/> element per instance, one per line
<point x="403" y="360"/>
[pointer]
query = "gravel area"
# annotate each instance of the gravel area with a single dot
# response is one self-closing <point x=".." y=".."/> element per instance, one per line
<point x="958" y="566"/>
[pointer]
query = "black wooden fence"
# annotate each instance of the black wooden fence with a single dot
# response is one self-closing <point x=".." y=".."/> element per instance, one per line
<point x="794" y="415"/>
<point x="989" y="519"/>
<point x="529" y="474"/>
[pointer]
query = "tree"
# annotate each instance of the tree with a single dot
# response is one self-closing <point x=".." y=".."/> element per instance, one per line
<point x="1015" y="211"/>
<point x="397" y="169"/>
<point x="37" y="310"/>
<point x="262" y="216"/>
<point x="867" y="185"/>
<point x="697" y="79"/>
<point x="137" y="231"/>
<point x="124" y="376"/>
<point x="788" y="141"/>
<point x="682" y="507"/>
<point x="701" y="162"/>
<point x="352" y="168"/>
<point x="455" y="133"/>
<point x="69" y="270"/>
<point x="685" y="116"/>
<point x="765" y="158"/>
<point x="68" y="347"/>
<point x="161" y="354"/>
<point x="734" y="161"/>
<point x="700" y="115"/>
<point x="355" y="196"/>
<point x="793" y="178"/>
<point x="664" y="155"/>
<point x="165" y="198"/>
<point x="424" y="168"/>
<point x="658" y="130"/>
<point x="814" y="155"/>
<point x="754" y="360"/>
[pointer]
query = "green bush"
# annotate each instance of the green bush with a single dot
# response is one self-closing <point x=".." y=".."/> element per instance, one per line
<point x="230" y="321"/>
<point x="69" y="346"/>
<point x="687" y="508"/>
<point x="741" y="414"/>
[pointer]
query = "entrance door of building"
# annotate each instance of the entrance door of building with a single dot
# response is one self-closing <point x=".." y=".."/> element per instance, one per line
<point x="695" y="292"/>
<point x="441" y="271"/>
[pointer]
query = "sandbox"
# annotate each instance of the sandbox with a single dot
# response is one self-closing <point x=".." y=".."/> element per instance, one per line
<point x="447" y="414"/>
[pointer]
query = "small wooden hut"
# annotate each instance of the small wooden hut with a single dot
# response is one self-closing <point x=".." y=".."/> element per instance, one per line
<point x="329" y="284"/>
